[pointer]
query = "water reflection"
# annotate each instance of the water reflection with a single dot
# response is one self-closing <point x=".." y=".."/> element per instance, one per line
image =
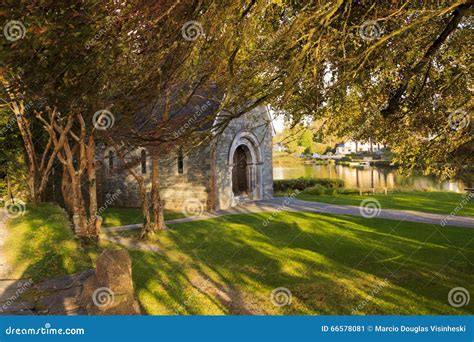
<point x="367" y="177"/>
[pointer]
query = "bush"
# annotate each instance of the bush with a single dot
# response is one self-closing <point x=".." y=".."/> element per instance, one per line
<point x="349" y="191"/>
<point x="317" y="190"/>
<point x="303" y="183"/>
<point x="308" y="151"/>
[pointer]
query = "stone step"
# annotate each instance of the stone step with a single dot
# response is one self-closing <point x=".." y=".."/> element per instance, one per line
<point x="13" y="288"/>
<point x="16" y="308"/>
<point x="64" y="282"/>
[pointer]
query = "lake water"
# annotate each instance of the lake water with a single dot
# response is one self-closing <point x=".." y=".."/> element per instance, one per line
<point x="367" y="177"/>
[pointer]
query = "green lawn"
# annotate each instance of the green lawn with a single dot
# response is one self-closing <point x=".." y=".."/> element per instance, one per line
<point x="114" y="217"/>
<point x="431" y="202"/>
<point x="40" y="244"/>
<point x="330" y="263"/>
<point x="230" y="265"/>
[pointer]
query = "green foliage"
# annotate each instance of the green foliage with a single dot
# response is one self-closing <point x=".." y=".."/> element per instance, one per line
<point x="320" y="148"/>
<point x="306" y="140"/>
<point x="303" y="183"/>
<point x="348" y="80"/>
<point x="12" y="165"/>
<point x="298" y="139"/>
<point x="308" y="151"/>
<point x="317" y="190"/>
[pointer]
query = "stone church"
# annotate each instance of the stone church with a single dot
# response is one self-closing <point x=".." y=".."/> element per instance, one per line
<point x="236" y="167"/>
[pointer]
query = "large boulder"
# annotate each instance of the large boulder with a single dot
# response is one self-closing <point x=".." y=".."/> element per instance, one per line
<point x="110" y="290"/>
<point x="107" y="290"/>
<point x="114" y="270"/>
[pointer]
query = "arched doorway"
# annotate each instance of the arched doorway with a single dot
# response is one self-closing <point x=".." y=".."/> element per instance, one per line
<point x="240" y="176"/>
<point x="241" y="180"/>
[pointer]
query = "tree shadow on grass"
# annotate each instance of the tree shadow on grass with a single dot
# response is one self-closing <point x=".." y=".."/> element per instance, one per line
<point x="421" y="267"/>
<point x="39" y="246"/>
<point x="331" y="264"/>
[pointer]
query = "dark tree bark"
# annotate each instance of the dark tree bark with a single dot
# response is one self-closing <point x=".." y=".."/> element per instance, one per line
<point x="158" y="209"/>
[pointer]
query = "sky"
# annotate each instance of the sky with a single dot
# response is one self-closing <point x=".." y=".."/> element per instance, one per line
<point x="278" y="121"/>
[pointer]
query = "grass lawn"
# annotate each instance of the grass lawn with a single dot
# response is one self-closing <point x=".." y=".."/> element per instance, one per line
<point x="40" y="244"/>
<point x="114" y="217"/>
<point x="431" y="202"/>
<point x="330" y="263"/>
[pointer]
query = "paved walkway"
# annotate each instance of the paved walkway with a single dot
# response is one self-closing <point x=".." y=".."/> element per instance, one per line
<point x="293" y="205"/>
<point x="132" y="244"/>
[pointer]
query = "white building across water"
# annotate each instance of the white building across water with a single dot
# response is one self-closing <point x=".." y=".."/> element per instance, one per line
<point x="352" y="146"/>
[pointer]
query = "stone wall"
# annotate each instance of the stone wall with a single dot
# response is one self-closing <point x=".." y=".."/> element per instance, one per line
<point x="255" y="131"/>
<point x="177" y="187"/>
<point x="207" y="174"/>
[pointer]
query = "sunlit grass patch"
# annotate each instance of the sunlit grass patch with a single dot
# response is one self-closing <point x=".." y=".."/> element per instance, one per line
<point x="40" y="244"/>
<point x="329" y="263"/>
<point x="430" y="202"/>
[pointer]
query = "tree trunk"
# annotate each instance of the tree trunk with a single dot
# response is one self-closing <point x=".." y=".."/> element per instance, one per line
<point x="158" y="210"/>
<point x="94" y="220"/>
<point x="28" y="144"/>
<point x="147" y="225"/>
<point x="10" y="191"/>
<point x="32" y="186"/>
<point x="66" y="190"/>
<point x="79" y="212"/>
<point x="148" y="228"/>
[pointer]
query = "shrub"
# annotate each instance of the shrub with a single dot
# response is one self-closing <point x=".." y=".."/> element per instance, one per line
<point x="308" y="151"/>
<point x="317" y="190"/>
<point x="303" y="183"/>
<point x="349" y="191"/>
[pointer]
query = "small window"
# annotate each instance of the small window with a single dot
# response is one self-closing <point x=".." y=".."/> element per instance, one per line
<point x="143" y="161"/>
<point x="111" y="159"/>
<point x="180" y="161"/>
